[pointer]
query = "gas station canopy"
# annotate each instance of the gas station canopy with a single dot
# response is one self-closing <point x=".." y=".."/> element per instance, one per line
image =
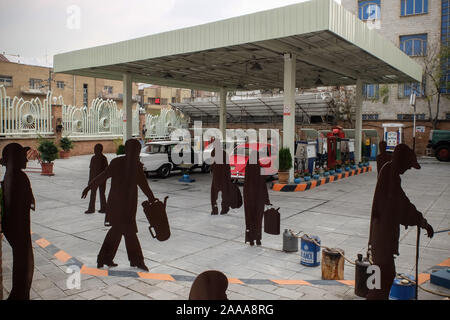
<point x="331" y="47"/>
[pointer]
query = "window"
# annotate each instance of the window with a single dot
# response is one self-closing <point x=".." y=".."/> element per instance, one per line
<point x="412" y="7"/>
<point x="371" y="91"/>
<point x="369" y="117"/>
<point x="174" y="100"/>
<point x="414" y="45"/>
<point x="447" y="116"/>
<point x="445" y="17"/>
<point x="410" y="116"/>
<point x="60" y="84"/>
<point x="406" y="89"/>
<point x="108" y="89"/>
<point x="369" y="10"/>
<point x="85" y="94"/>
<point x="164" y="102"/>
<point x="6" y="81"/>
<point x="35" y="83"/>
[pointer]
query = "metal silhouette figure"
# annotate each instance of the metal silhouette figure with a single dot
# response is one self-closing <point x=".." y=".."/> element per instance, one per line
<point x="256" y="197"/>
<point x="221" y="180"/>
<point x="98" y="164"/>
<point x="383" y="157"/>
<point x="209" y="285"/>
<point x="18" y="200"/>
<point x="126" y="173"/>
<point x="390" y="209"/>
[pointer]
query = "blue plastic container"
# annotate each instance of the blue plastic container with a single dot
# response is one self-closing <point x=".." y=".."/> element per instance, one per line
<point x="402" y="289"/>
<point x="332" y="172"/>
<point x="310" y="253"/>
<point x="307" y="178"/>
<point x="339" y="170"/>
<point x="297" y="180"/>
<point x="353" y="167"/>
<point x="347" y="168"/>
<point x="326" y="174"/>
<point x="316" y="176"/>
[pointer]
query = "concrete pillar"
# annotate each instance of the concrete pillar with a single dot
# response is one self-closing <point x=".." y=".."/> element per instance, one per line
<point x="289" y="107"/>
<point x="223" y="113"/>
<point x="128" y="106"/>
<point x="358" y="118"/>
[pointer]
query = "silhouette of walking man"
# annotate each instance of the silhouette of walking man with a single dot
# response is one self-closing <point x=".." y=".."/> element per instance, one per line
<point x="98" y="164"/>
<point x="18" y="200"/>
<point x="383" y="157"/>
<point x="126" y="175"/>
<point x="256" y="197"/>
<point x="391" y="208"/>
<point x="221" y="179"/>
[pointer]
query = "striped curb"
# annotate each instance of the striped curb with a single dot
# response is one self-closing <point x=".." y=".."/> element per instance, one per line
<point x="68" y="261"/>
<point x="315" y="183"/>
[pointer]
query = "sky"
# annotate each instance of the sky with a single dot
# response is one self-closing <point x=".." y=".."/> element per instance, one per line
<point x="37" y="29"/>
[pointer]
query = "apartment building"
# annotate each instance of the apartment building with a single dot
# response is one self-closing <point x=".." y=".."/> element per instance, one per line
<point x="28" y="82"/>
<point x="419" y="28"/>
<point x="154" y="97"/>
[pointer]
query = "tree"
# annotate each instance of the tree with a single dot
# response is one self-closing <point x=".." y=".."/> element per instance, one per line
<point x="341" y="104"/>
<point x="435" y="65"/>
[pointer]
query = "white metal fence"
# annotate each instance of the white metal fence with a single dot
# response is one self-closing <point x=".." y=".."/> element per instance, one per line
<point x="19" y="117"/>
<point x="160" y="126"/>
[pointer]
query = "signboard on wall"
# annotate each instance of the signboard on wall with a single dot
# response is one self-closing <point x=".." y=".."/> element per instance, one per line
<point x="420" y="129"/>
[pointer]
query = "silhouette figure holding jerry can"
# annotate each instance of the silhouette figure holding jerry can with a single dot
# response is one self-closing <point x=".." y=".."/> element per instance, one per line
<point x="126" y="173"/>
<point x="221" y="179"/>
<point x="18" y="200"/>
<point x="256" y="197"/>
<point x="209" y="285"/>
<point x="391" y="208"/>
<point x="98" y="164"/>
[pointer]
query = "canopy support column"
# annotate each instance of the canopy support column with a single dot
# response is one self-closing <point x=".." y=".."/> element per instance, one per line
<point x="223" y="113"/>
<point x="358" y="118"/>
<point x="289" y="107"/>
<point x="128" y="106"/>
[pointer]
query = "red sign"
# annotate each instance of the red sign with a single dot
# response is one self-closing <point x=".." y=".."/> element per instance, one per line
<point x="157" y="101"/>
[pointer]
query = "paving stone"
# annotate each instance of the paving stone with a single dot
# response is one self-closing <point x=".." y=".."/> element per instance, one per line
<point x="91" y="294"/>
<point x="117" y="291"/>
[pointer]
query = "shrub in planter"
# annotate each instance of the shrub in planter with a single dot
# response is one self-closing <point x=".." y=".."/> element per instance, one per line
<point x="66" y="145"/>
<point x="285" y="164"/>
<point x="120" y="150"/>
<point x="48" y="153"/>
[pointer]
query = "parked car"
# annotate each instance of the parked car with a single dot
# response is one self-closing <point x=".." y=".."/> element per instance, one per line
<point x="240" y="156"/>
<point x="440" y="144"/>
<point x="157" y="158"/>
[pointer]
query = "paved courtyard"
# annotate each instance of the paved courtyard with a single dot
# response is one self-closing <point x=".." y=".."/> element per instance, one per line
<point x="338" y="212"/>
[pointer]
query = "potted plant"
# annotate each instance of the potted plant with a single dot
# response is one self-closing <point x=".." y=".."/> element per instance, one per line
<point x="352" y="164"/>
<point x="48" y="152"/>
<point x="316" y="174"/>
<point x="285" y="164"/>
<point x="297" y="179"/>
<point x="66" y="145"/>
<point x="338" y="168"/>
<point x="347" y="165"/>
<point x="332" y="170"/>
<point x="307" y="176"/>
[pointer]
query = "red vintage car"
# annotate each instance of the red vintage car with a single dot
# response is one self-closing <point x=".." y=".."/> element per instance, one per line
<point x="240" y="157"/>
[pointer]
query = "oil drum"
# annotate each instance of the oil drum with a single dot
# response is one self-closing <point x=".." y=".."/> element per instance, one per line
<point x="310" y="253"/>
<point x="361" y="276"/>
<point x="290" y="242"/>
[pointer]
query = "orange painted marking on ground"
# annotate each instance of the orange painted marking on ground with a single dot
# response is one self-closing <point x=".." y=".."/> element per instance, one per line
<point x="313" y="184"/>
<point x="323" y="181"/>
<point x="62" y="256"/>
<point x="155" y="276"/>
<point x="331" y="178"/>
<point x="445" y="263"/>
<point x="359" y="170"/>
<point x="347" y="174"/>
<point x="235" y="281"/>
<point x="277" y="187"/>
<point x="292" y="282"/>
<point x="347" y="282"/>
<point x="301" y="187"/>
<point x="424" y="277"/>
<point x="42" y="243"/>
<point x="94" y="272"/>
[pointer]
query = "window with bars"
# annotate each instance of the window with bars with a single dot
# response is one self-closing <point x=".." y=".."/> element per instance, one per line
<point x="414" y="45"/>
<point x="6" y="81"/>
<point x="406" y="89"/>
<point x="35" y="83"/>
<point x="368" y="117"/>
<point x="369" y="10"/>
<point x="108" y="89"/>
<point x="60" y="84"/>
<point x="371" y="91"/>
<point x="410" y="116"/>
